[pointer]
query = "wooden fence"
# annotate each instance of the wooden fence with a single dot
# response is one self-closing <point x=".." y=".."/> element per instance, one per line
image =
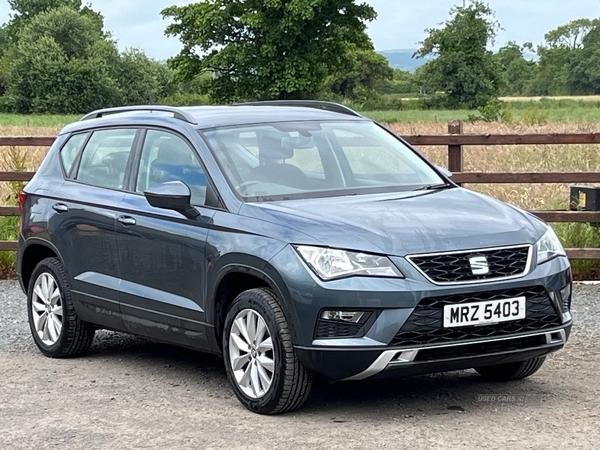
<point x="455" y="140"/>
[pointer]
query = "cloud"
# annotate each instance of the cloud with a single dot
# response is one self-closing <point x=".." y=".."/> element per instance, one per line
<point x="138" y="23"/>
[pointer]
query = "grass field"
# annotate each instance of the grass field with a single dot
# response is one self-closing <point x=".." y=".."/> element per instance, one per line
<point x="477" y="158"/>
<point x="583" y="98"/>
<point x="572" y="115"/>
<point x="33" y="121"/>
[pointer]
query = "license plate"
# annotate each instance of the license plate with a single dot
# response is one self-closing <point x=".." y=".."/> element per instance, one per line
<point x="484" y="313"/>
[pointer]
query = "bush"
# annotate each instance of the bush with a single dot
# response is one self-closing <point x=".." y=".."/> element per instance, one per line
<point x="185" y="99"/>
<point x="493" y="111"/>
<point x="581" y="235"/>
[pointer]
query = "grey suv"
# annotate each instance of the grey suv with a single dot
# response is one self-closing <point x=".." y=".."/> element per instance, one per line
<point x="293" y="238"/>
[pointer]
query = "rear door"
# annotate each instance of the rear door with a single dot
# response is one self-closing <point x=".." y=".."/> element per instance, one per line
<point x="83" y="221"/>
<point x="162" y="254"/>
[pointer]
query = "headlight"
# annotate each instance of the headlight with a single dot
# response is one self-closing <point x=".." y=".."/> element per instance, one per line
<point x="549" y="246"/>
<point x="330" y="263"/>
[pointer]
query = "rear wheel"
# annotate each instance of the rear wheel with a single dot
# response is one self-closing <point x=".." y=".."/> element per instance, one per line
<point x="260" y="360"/>
<point x="512" y="371"/>
<point x="57" y="330"/>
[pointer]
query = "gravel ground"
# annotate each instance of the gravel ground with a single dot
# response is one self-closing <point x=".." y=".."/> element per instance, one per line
<point x="132" y="393"/>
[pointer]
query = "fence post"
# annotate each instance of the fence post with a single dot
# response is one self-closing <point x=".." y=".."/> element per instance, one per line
<point x="455" y="152"/>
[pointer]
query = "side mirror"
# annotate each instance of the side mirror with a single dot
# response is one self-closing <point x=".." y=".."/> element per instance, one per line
<point x="444" y="171"/>
<point x="175" y="195"/>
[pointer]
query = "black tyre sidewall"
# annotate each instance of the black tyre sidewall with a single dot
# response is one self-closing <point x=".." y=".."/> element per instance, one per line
<point x="512" y="371"/>
<point x="269" y="401"/>
<point x="47" y="266"/>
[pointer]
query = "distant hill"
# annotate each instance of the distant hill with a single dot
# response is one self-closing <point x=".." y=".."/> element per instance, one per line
<point x="402" y="59"/>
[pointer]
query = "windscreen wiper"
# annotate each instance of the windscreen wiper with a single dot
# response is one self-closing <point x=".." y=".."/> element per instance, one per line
<point x="435" y="187"/>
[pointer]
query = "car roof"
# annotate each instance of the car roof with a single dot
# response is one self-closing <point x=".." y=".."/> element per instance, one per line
<point x="205" y="117"/>
<point x="220" y="116"/>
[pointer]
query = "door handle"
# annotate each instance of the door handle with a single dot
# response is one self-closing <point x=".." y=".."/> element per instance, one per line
<point x="126" y="220"/>
<point x="60" y="207"/>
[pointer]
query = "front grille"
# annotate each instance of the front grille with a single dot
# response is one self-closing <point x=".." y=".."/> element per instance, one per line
<point x="456" y="267"/>
<point x="338" y="329"/>
<point x="480" y="348"/>
<point x="425" y="324"/>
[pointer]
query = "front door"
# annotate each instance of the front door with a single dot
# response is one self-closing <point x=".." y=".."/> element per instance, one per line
<point x="161" y="253"/>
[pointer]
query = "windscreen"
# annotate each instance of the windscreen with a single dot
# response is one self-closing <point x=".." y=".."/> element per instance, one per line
<point x="291" y="160"/>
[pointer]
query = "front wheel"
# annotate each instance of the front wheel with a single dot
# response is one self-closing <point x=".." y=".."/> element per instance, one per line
<point x="260" y="360"/>
<point x="512" y="371"/>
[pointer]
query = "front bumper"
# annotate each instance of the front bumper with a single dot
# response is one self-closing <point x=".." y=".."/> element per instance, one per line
<point x="382" y="349"/>
<point x="358" y="364"/>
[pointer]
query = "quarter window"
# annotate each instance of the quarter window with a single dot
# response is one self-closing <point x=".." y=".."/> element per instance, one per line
<point x="104" y="159"/>
<point x="167" y="157"/>
<point x="70" y="152"/>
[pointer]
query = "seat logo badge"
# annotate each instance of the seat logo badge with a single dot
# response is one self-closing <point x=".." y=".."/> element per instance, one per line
<point x="479" y="265"/>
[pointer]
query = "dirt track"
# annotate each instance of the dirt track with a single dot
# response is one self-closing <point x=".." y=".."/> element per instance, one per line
<point x="131" y="393"/>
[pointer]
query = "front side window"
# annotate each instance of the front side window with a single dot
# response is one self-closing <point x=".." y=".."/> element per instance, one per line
<point x="104" y="158"/>
<point x="167" y="157"/>
<point x="312" y="159"/>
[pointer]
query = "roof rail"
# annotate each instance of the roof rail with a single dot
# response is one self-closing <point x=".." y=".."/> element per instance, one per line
<point x="317" y="104"/>
<point x="177" y="113"/>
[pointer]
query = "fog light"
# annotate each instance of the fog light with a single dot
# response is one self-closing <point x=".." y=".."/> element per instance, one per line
<point x="334" y="324"/>
<point x="345" y="316"/>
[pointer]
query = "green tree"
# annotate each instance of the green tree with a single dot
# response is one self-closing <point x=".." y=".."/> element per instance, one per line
<point x="4" y="40"/>
<point x="566" y="61"/>
<point x="62" y="63"/>
<point x="362" y="73"/>
<point x="273" y="49"/>
<point x="517" y="72"/>
<point x="4" y="44"/>
<point x="585" y="63"/>
<point x="463" y="68"/>
<point x="570" y="36"/>
<point x="141" y="79"/>
<point x="23" y="11"/>
<point x="402" y="82"/>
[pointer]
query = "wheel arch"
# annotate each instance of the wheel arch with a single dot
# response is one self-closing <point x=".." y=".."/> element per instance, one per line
<point x="35" y="251"/>
<point x="234" y="278"/>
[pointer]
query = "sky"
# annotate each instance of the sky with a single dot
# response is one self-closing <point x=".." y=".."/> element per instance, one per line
<point x="400" y="23"/>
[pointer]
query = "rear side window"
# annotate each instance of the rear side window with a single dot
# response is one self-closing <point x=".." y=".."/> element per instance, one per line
<point x="104" y="158"/>
<point x="70" y="152"/>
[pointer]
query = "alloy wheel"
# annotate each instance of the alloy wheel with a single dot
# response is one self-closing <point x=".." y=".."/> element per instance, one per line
<point x="47" y="309"/>
<point x="251" y="353"/>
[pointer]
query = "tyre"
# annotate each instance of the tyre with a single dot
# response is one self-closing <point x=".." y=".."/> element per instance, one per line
<point x="260" y="361"/>
<point x="512" y="371"/>
<point x="56" y="329"/>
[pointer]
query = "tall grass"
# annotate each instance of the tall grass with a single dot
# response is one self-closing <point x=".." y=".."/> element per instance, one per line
<point x="20" y="159"/>
<point x="33" y="121"/>
<point x="571" y="115"/>
<point x="14" y="159"/>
